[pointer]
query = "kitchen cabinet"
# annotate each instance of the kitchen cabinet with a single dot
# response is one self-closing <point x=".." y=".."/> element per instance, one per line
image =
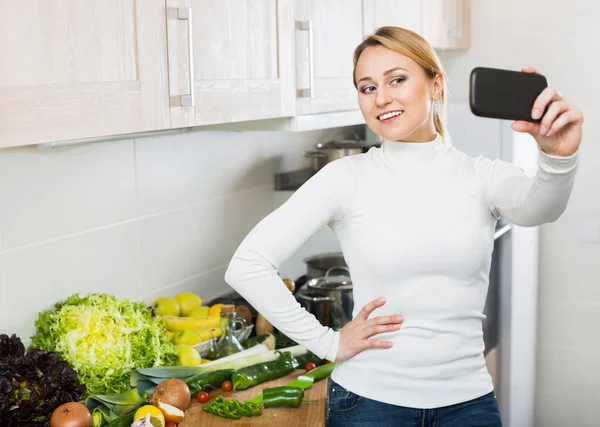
<point x="398" y="13"/>
<point x="446" y="23"/>
<point x="75" y="69"/>
<point x="241" y="65"/>
<point x="326" y="34"/>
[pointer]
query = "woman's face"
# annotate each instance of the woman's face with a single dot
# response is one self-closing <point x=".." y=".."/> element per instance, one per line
<point x="395" y="95"/>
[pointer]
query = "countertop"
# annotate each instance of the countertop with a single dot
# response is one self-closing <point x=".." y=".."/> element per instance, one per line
<point x="307" y="414"/>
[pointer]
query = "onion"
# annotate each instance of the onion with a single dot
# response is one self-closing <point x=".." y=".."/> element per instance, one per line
<point x="173" y="392"/>
<point x="71" y="414"/>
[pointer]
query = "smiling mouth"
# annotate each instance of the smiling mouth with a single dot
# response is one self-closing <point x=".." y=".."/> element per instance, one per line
<point x="390" y="115"/>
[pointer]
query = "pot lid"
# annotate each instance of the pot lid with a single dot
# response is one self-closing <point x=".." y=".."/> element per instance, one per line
<point x="331" y="282"/>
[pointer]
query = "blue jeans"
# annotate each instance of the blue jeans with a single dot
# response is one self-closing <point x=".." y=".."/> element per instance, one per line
<point x="346" y="409"/>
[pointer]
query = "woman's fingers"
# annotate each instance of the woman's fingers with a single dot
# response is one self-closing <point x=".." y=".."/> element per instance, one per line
<point x="368" y="309"/>
<point x="380" y="329"/>
<point x="555" y="109"/>
<point x="547" y="96"/>
<point x="384" y="320"/>
<point x="570" y="116"/>
<point x="529" y="69"/>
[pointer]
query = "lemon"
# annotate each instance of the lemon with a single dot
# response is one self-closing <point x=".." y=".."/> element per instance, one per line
<point x="187" y="355"/>
<point x="187" y="336"/>
<point x="166" y="306"/>
<point x="188" y="302"/>
<point x="215" y="310"/>
<point x="157" y="419"/>
<point x="201" y="311"/>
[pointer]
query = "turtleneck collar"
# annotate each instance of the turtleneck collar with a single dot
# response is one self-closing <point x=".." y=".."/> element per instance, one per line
<point x="412" y="154"/>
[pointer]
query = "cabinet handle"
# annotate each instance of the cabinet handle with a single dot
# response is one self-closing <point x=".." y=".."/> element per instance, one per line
<point x="457" y="21"/>
<point x="185" y="13"/>
<point x="310" y="91"/>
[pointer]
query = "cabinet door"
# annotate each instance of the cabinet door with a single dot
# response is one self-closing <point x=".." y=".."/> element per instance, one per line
<point x="241" y="64"/>
<point x="74" y="69"/>
<point x="327" y="32"/>
<point x="398" y="13"/>
<point x="446" y="23"/>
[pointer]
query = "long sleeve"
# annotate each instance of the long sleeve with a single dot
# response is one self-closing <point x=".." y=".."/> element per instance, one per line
<point x="526" y="200"/>
<point x="252" y="271"/>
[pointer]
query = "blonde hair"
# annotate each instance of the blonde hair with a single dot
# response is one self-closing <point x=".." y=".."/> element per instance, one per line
<point x="410" y="44"/>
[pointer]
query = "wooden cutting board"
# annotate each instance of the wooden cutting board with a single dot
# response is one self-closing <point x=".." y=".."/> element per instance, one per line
<point x="307" y="414"/>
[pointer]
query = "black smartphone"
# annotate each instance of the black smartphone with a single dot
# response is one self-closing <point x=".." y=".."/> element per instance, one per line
<point x="504" y="94"/>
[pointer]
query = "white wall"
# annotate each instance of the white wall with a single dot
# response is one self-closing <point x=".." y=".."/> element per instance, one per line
<point x="133" y="218"/>
<point x="561" y="40"/>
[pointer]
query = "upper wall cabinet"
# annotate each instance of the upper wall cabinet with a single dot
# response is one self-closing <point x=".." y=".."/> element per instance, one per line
<point x="446" y="23"/>
<point x="81" y="68"/>
<point x="327" y="32"/>
<point x="230" y="60"/>
<point x="398" y="13"/>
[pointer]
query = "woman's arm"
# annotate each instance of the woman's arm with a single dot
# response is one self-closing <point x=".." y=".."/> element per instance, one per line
<point x="253" y="269"/>
<point x="534" y="201"/>
<point x="525" y="200"/>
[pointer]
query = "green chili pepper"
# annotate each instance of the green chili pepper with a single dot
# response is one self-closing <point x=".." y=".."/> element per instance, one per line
<point x="209" y="380"/>
<point x="256" y="374"/>
<point x="284" y="396"/>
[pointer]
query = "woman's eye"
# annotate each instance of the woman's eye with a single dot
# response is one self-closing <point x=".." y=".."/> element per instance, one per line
<point x="398" y="80"/>
<point x="368" y="89"/>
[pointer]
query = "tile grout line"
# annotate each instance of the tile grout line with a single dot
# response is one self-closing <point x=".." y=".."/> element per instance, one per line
<point x="194" y="276"/>
<point x="131" y="220"/>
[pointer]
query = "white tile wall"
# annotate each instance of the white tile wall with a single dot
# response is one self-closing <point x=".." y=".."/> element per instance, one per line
<point x="37" y="276"/>
<point x="133" y="218"/>
<point x="51" y="193"/>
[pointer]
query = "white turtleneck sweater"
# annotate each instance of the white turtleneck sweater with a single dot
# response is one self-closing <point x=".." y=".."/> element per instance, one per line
<point x="416" y="225"/>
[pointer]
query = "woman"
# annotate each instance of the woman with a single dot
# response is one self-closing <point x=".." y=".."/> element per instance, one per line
<point x="415" y="219"/>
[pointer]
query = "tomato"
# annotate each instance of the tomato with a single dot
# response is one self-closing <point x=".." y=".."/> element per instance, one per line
<point x="328" y="362"/>
<point x="310" y="366"/>
<point x="170" y="425"/>
<point x="226" y="386"/>
<point x="202" y="397"/>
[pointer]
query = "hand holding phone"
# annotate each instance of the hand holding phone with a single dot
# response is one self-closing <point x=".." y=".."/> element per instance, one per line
<point x="504" y="94"/>
<point x="536" y="108"/>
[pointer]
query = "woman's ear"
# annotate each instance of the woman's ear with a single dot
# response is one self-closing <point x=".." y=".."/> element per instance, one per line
<point x="438" y="86"/>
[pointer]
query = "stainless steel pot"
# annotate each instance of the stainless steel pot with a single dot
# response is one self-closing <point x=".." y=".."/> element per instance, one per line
<point x="335" y="149"/>
<point x="317" y="265"/>
<point x="329" y="297"/>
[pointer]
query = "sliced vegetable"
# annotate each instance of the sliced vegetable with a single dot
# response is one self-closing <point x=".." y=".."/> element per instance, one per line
<point x="283" y="396"/>
<point x="260" y="373"/>
<point x="231" y="408"/>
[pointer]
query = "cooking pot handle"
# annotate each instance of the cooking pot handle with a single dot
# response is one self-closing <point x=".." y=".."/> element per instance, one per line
<point x="336" y="268"/>
<point x="313" y="299"/>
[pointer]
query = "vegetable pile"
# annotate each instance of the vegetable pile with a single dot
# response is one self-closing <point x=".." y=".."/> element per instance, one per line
<point x="104" y="339"/>
<point x="33" y="384"/>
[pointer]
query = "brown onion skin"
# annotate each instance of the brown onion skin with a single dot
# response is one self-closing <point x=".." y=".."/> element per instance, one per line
<point x="71" y="414"/>
<point x="173" y="392"/>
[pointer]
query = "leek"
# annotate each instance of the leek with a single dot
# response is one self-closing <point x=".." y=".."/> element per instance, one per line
<point x="252" y="356"/>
